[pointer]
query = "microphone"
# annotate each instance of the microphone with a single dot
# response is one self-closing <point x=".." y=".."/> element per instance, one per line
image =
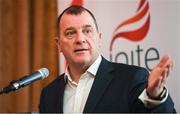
<point x="26" y="80"/>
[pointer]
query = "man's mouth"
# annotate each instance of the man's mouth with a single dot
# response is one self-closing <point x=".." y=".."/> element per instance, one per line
<point x="80" y="50"/>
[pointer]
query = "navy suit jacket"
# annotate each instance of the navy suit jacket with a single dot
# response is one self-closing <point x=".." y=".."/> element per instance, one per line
<point x="116" y="88"/>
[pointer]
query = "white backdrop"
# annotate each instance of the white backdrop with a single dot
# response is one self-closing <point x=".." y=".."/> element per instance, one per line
<point x="163" y="33"/>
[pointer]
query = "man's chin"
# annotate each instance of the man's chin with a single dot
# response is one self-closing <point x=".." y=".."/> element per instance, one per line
<point x="83" y="61"/>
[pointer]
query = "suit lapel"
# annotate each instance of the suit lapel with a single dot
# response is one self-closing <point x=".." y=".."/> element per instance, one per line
<point x="101" y="82"/>
<point x="58" y="106"/>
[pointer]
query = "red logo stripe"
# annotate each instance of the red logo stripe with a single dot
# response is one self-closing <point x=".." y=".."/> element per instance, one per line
<point x="138" y="34"/>
<point x="135" y="35"/>
<point x="141" y="4"/>
<point x="134" y="19"/>
<point x="77" y="2"/>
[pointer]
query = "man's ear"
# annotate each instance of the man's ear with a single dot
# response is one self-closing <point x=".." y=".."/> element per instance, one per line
<point x="100" y="35"/>
<point x="100" y="42"/>
<point x="57" y="41"/>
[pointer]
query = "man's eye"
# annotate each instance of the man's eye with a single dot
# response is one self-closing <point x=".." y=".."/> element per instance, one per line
<point x="70" y="34"/>
<point x="88" y="32"/>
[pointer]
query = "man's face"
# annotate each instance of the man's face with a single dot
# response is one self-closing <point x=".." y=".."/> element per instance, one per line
<point x="79" y="40"/>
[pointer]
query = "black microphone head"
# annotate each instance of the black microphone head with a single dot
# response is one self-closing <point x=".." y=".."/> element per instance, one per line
<point x="44" y="72"/>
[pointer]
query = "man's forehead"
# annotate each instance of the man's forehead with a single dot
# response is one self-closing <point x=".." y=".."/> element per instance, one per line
<point x="84" y="17"/>
<point x="80" y="27"/>
<point x="82" y="20"/>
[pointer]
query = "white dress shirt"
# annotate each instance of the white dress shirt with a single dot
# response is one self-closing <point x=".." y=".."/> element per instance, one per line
<point x="76" y="94"/>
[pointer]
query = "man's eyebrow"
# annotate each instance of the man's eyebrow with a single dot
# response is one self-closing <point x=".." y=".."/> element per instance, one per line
<point x="69" y="28"/>
<point x="84" y="26"/>
<point x="87" y="26"/>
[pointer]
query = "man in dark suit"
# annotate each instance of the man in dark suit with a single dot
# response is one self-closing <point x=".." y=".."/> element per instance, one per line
<point x="93" y="84"/>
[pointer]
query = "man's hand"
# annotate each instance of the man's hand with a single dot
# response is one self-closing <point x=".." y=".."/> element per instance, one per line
<point x="158" y="76"/>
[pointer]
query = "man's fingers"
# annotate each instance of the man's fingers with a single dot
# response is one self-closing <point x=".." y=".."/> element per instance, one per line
<point x="164" y="59"/>
<point x="168" y="71"/>
<point x="165" y="75"/>
<point x="169" y="67"/>
<point x="172" y="64"/>
<point x="159" y="75"/>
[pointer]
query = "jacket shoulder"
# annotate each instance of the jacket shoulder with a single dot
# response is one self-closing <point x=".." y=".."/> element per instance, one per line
<point x="56" y="83"/>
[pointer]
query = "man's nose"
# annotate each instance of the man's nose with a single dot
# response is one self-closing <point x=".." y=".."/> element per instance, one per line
<point x="80" y="38"/>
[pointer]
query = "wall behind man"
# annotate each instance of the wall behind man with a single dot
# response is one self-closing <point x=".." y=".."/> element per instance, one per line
<point x="27" y="31"/>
